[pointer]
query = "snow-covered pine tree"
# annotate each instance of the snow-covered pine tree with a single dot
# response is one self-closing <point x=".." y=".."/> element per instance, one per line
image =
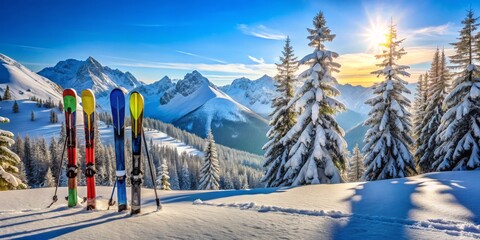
<point x="7" y="95"/>
<point x="185" y="183"/>
<point x="162" y="176"/>
<point x="437" y="90"/>
<point x="388" y="140"/>
<point x="419" y="107"/>
<point x="282" y="119"/>
<point x="356" y="167"/>
<point x="459" y="132"/>
<point x="316" y="155"/>
<point x="49" y="180"/>
<point x="8" y="161"/>
<point x="210" y="171"/>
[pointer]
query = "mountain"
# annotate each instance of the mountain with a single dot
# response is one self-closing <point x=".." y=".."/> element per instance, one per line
<point x="91" y="74"/>
<point x="24" y="83"/>
<point x="197" y="105"/>
<point x="254" y="94"/>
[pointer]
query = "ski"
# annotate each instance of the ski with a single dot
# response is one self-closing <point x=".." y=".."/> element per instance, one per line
<point x="117" y="104"/>
<point x="88" y="104"/>
<point x="70" y="107"/>
<point x="136" y="114"/>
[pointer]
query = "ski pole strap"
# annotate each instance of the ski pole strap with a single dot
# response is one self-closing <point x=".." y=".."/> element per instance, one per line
<point x="72" y="171"/>
<point x="90" y="170"/>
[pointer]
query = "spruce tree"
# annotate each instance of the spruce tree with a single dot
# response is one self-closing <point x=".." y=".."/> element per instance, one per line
<point x="356" y="167"/>
<point x="459" y="132"/>
<point x="185" y="183"/>
<point x="15" y="107"/>
<point x="209" y="173"/>
<point x="7" y="95"/>
<point x="282" y="119"/>
<point x="388" y="139"/>
<point x="437" y="90"/>
<point x="419" y="107"/>
<point x="32" y="116"/>
<point x="48" y="180"/>
<point x="9" y="162"/>
<point x="162" y="176"/>
<point x="316" y="155"/>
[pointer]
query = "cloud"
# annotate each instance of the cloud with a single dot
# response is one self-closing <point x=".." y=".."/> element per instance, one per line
<point x="261" y="31"/>
<point x="256" y="60"/>
<point x="203" y="57"/>
<point x="25" y="46"/>
<point x="357" y="67"/>
<point x="229" y="70"/>
<point x="433" y="30"/>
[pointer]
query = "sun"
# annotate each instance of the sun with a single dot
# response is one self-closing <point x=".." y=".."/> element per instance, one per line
<point x="375" y="35"/>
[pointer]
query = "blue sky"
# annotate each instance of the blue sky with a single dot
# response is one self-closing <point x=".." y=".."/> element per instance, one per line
<point x="223" y="39"/>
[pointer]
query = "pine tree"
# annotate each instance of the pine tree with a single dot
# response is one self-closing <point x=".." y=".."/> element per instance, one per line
<point x="15" y="107"/>
<point x="388" y="140"/>
<point x="209" y="173"/>
<point x="185" y="183"/>
<point x="356" y="167"/>
<point x="459" y="132"/>
<point x="281" y="119"/>
<point x="318" y="144"/>
<point x="162" y="176"/>
<point x="8" y="162"/>
<point x="437" y="90"/>
<point x="48" y="180"/>
<point x="32" y="116"/>
<point x="419" y="107"/>
<point x="7" y="95"/>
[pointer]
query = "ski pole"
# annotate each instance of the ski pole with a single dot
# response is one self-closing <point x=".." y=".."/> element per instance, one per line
<point x="110" y="201"/>
<point x="55" y="198"/>
<point x="151" y="171"/>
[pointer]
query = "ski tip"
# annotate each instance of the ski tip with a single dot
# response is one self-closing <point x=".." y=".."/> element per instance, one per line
<point x="69" y="92"/>
<point x="136" y="104"/>
<point x="88" y="101"/>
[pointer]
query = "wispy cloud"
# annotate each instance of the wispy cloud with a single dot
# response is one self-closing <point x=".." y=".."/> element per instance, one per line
<point x="25" y="46"/>
<point x="230" y="71"/>
<point x="261" y="31"/>
<point x="433" y="30"/>
<point x="200" y="56"/>
<point x="257" y="60"/>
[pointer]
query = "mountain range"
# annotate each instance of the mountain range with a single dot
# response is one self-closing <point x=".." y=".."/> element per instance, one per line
<point x="236" y="113"/>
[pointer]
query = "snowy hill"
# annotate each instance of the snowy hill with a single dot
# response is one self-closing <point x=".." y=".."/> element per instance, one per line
<point x="196" y="105"/>
<point x="24" y="83"/>
<point x="432" y="206"/>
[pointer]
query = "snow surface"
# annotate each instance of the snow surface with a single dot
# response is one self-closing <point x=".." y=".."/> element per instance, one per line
<point x="432" y="206"/>
<point x="24" y="83"/>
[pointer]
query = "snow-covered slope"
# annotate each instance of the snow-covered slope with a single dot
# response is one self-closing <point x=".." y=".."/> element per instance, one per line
<point x="254" y="94"/>
<point x="196" y="105"/>
<point x="91" y="74"/>
<point x="432" y="206"/>
<point x="24" y="83"/>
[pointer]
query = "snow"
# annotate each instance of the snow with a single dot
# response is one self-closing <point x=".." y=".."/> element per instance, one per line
<point x="432" y="206"/>
<point x="24" y="83"/>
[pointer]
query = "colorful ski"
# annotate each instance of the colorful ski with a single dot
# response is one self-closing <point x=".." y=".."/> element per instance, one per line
<point x="117" y="104"/>
<point x="70" y="106"/>
<point x="136" y="114"/>
<point x="88" y="104"/>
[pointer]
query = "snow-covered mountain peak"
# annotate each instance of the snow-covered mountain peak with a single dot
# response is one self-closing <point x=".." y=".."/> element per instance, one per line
<point x="90" y="73"/>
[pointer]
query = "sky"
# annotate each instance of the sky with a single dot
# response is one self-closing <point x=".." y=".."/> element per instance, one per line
<point x="223" y="40"/>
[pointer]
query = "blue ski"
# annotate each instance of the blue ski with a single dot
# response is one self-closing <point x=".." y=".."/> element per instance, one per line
<point x="117" y="103"/>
